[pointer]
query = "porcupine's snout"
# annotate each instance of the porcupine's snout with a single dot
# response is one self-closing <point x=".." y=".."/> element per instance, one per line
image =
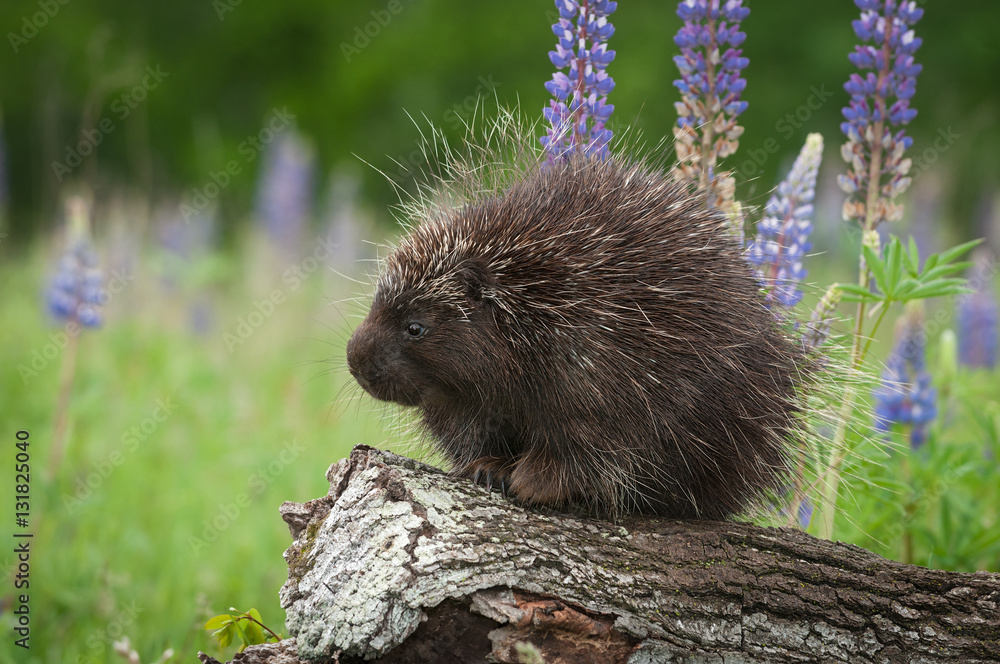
<point x="369" y="359"/>
<point x="358" y="359"/>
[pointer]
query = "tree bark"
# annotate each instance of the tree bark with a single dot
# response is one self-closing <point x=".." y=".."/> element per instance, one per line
<point x="404" y="562"/>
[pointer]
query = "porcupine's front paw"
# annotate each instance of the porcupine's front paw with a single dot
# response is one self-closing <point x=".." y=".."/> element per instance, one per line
<point x="491" y="472"/>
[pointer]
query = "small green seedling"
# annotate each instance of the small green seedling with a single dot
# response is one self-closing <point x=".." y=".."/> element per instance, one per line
<point x="247" y="625"/>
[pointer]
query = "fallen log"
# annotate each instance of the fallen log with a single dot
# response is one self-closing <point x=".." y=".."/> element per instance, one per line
<point x="404" y="563"/>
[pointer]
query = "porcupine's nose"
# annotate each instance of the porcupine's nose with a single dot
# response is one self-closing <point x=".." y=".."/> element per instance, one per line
<point x="362" y="381"/>
<point x="355" y="359"/>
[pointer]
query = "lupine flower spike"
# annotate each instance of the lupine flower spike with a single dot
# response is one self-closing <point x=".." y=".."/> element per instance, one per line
<point x="880" y="106"/>
<point x="805" y="513"/>
<point x="75" y="294"/>
<point x="906" y="396"/>
<point x="877" y="174"/>
<point x="977" y="318"/>
<point x="782" y="235"/>
<point x="710" y="84"/>
<point x="74" y="297"/>
<point x="818" y="328"/>
<point x="285" y="189"/>
<point x="579" y="111"/>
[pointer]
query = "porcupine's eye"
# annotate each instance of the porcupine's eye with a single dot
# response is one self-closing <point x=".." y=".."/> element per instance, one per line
<point x="415" y="330"/>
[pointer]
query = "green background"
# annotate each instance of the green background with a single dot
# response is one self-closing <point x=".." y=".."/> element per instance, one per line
<point x="149" y="540"/>
<point x="230" y="63"/>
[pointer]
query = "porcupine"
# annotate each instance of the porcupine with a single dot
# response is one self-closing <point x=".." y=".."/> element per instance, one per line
<point x="590" y="336"/>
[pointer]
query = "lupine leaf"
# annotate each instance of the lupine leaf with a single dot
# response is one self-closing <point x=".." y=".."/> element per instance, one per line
<point x="943" y="270"/>
<point x="875" y="264"/>
<point x="913" y="258"/>
<point x="856" y="293"/>
<point x="905" y="287"/>
<point x="893" y="266"/>
<point x="953" y="253"/>
<point x="939" y="287"/>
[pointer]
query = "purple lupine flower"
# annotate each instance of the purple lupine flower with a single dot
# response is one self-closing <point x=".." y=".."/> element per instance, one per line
<point x="579" y="111"/>
<point x="710" y="87"/>
<point x="285" y="188"/>
<point x="75" y="292"/>
<point x="798" y="503"/>
<point x="187" y="238"/>
<point x="977" y="319"/>
<point x="782" y="235"/>
<point x="805" y="513"/>
<point x="880" y="105"/>
<point x="906" y="395"/>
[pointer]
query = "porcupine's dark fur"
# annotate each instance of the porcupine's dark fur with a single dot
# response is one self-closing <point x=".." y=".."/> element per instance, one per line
<point x="590" y="336"/>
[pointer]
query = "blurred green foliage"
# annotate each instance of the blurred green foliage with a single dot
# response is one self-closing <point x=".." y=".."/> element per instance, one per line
<point x="126" y="558"/>
<point x="159" y="520"/>
<point x="181" y="449"/>
<point x="228" y="63"/>
<point x="937" y="506"/>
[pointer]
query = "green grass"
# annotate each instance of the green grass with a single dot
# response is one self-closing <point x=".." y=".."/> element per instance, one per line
<point x="254" y="427"/>
<point x="937" y="506"/>
<point x="259" y="424"/>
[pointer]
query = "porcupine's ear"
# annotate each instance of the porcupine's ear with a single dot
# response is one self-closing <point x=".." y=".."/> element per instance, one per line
<point x="478" y="282"/>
